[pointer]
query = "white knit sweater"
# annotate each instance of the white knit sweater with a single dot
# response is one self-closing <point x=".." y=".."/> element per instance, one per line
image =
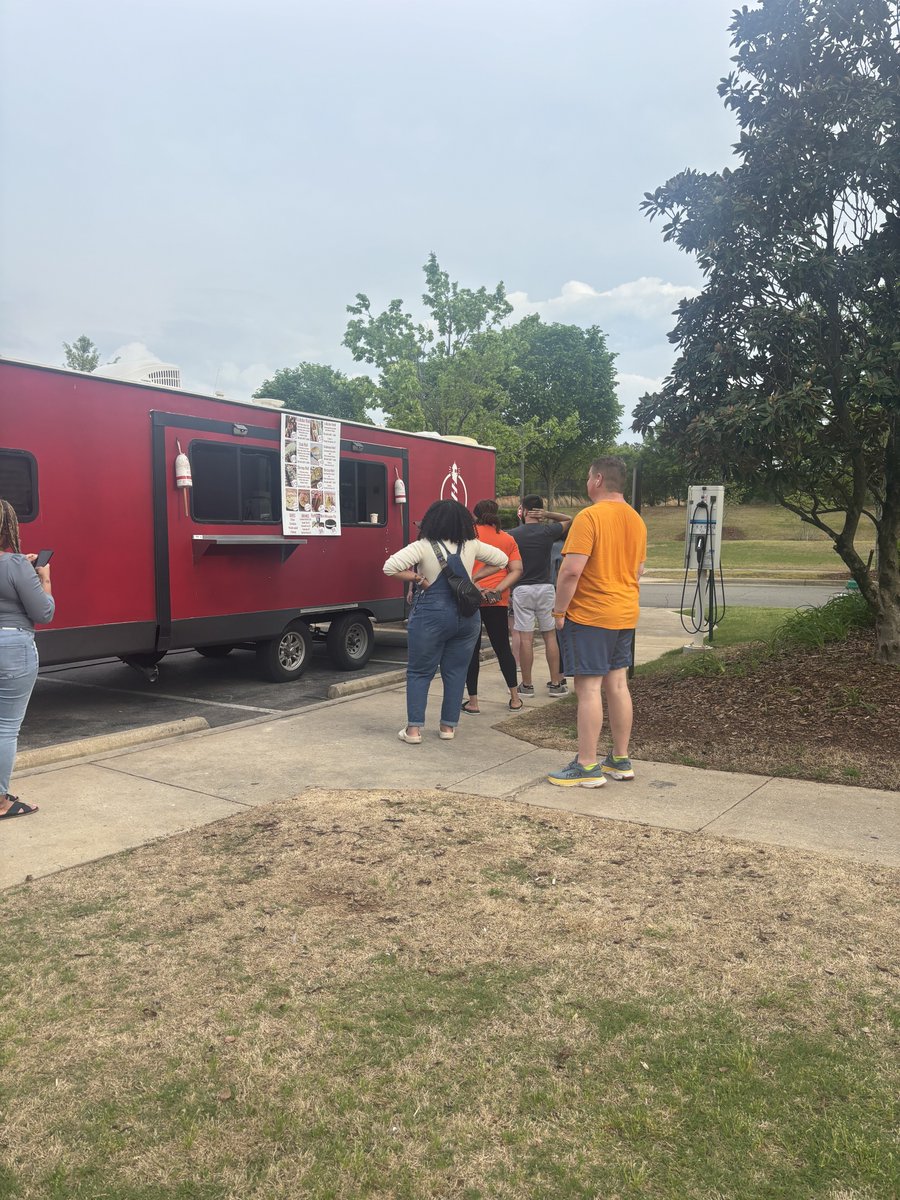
<point x="421" y="554"/>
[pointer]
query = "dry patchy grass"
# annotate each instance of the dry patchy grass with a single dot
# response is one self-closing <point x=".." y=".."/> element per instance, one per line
<point x="430" y="995"/>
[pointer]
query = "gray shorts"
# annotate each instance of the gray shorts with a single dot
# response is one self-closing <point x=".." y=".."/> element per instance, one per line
<point x="588" y="650"/>
<point x="534" y="602"/>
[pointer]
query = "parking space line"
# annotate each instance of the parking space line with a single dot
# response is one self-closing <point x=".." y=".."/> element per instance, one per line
<point x="98" y="687"/>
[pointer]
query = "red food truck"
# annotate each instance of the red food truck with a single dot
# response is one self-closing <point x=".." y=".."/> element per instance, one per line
<point x="258" y="545"/>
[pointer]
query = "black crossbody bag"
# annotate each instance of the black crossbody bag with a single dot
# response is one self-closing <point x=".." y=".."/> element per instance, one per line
<point x="469" y="598"/>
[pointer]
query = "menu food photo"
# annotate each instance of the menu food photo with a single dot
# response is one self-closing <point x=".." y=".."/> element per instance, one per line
<point x="310" y="479"/>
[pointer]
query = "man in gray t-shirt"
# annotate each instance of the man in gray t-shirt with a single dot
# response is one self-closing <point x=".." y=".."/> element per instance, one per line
<point x="534" y="593"/>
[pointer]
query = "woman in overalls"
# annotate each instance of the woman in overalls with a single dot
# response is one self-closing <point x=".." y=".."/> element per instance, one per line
<point x="439" y="636"/>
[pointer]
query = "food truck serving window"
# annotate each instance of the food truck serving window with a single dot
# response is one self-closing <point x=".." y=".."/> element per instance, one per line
<point x="235" y="485"/>
<point x="363" y="492"/>
<point x="18" y="482"/>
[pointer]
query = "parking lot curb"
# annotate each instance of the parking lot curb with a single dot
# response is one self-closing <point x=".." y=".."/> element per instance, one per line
<point x="353" y="687"/>
<point x="86" y="747"/>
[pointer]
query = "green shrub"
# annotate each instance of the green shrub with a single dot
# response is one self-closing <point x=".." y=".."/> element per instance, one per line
<point x="831" y="622"/>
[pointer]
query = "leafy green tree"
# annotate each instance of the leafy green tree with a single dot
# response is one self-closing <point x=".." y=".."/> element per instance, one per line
<point x="314" y="388"/>
<point x="445" y="375"/>
<point x="788" y="371"/>
<point x="563" y="394"/>
<point x="665" y="473"/>
<point x="82" y="355"/>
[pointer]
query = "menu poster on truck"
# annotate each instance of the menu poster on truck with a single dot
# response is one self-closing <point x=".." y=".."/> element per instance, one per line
<point x="310" y="476"/>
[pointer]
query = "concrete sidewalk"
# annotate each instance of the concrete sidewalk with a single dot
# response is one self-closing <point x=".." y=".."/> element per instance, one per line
<point x="101" y="805"/>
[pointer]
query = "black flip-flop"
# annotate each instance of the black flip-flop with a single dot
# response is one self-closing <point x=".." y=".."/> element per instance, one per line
<point x="516" y="707"/>
<point x="471" y="712"/>
<point x="18" y="809"/>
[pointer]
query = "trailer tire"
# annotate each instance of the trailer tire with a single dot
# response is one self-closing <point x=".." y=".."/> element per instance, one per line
<point x="286" y="657"/>
<point x="350" y="641"/>
<point x="214" y="651"/>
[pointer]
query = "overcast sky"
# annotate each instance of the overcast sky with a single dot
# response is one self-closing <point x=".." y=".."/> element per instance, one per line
<point x="217" y="179"/>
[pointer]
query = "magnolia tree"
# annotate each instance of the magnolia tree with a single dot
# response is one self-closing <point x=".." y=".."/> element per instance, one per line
<point x="788" y="367"/>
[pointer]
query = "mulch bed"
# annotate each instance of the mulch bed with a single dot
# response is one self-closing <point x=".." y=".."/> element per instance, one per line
<point x="829" y="714"/>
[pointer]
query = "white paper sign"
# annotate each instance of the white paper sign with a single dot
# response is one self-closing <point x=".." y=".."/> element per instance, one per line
<point x="310" y="476"/>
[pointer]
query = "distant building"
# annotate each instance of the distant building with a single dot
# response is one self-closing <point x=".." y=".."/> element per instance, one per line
<point x="142" y="369"/>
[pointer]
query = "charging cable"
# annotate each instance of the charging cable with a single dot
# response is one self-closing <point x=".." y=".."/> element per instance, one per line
<point x="702" y="524"/>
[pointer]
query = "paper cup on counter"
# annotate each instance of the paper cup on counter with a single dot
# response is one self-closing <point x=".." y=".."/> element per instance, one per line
<point x="373" y="518"/>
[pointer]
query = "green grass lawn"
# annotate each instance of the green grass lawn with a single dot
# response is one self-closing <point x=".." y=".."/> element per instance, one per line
<point x="803" y="557"/>
<point x="760" y="537"/>
<point x="757" y="538"/>
<point x="738" y="627"/>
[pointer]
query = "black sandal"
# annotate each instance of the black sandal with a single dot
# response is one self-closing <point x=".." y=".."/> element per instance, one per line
<point x="18" y="809"/>
<point x="516" y="707"/>
<point x="471" y="712"/>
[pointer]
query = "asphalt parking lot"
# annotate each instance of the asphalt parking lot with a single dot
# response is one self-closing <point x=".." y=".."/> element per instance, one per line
<point x="103" y="697"/>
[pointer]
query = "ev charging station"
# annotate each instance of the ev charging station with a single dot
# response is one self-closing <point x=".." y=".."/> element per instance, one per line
<point x="702" y="561"/>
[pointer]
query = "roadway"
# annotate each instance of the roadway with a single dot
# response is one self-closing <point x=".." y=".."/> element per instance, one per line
<point x="761" y="593"/>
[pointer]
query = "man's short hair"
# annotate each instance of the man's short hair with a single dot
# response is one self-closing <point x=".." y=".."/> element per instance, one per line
<point x="532" y="502"/>
<point x="613" y="470"/>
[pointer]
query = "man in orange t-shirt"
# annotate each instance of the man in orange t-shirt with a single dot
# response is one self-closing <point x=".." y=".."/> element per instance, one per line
<point x="596" y="611"/>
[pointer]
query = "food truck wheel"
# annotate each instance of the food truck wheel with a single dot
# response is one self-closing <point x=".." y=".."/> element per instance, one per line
<point x="286" y="657"/>
<point x="350" y="641"/>
<point x="214" y="651"/>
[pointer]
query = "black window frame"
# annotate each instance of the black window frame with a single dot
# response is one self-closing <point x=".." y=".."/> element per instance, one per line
<point x="239" y="448"/>
<point x="32" y="515"/>
<point x="355" y="463"/>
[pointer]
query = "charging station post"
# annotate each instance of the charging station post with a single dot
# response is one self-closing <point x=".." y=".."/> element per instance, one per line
<point x="702" y="560"/>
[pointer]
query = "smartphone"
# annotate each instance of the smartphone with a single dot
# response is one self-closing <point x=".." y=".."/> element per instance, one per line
<point x="43" y="558"/>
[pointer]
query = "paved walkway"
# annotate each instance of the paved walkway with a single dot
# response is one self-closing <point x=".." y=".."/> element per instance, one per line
<point x="101" y="805"/>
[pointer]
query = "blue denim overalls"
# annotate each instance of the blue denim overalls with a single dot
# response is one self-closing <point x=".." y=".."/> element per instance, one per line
<point x="439" y="636"/>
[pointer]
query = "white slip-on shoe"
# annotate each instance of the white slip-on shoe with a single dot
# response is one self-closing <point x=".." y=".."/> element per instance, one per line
<point x="412" y="739"/>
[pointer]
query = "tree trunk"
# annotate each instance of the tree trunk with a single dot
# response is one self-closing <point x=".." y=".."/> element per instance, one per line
<point x="887" y="623"/>
<point x="887" y="612"/>
<point x="887" y="609"/>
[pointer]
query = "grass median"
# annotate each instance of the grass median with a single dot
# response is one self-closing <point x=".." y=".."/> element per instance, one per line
<point x="421" y="995"/>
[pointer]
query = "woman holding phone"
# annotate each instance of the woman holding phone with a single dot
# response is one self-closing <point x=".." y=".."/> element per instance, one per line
<point x="25" y="600"/>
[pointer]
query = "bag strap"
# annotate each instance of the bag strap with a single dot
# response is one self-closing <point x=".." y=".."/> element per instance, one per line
<point x="445" y="566"/>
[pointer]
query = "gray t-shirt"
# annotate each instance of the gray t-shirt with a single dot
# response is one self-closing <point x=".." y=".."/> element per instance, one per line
<point x="535" y="542"/>
<point x="23" y="601"/>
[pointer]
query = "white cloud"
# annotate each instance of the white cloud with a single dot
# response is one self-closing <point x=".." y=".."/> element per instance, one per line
<point x="636" y="317"/>
<point x="630" y="388"/>
<point x="647" y="298"/>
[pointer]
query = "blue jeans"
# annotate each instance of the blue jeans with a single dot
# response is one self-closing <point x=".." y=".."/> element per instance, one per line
<point x="438" y="637"/>
<point x="18" y="671"/>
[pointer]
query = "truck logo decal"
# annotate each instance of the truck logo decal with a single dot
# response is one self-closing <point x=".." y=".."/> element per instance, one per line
<point x="454" y="487"/>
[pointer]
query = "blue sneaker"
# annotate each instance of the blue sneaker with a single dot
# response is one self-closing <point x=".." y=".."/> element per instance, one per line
<point x="618" y="768"/>
<point x="575" y="775"/>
